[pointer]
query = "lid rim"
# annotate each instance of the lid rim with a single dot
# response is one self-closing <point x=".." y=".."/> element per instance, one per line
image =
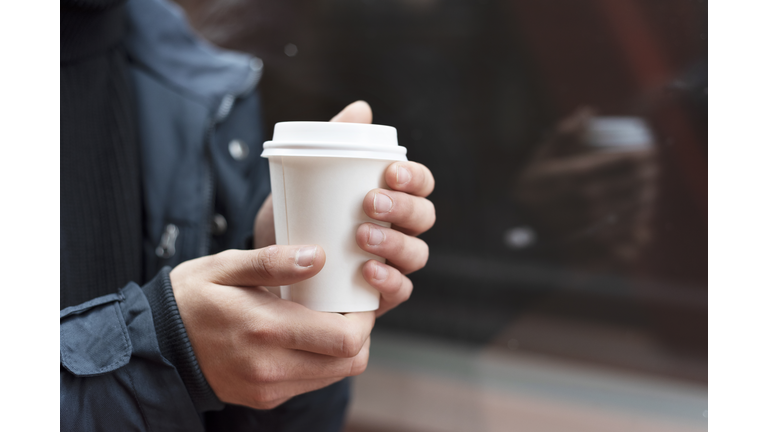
<point x="330" y="153"/>
<point x="333" y="146"/>
<point x="334" y="133"/>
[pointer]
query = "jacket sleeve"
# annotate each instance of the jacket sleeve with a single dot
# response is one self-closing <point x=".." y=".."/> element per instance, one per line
<point x="113" y="371"/>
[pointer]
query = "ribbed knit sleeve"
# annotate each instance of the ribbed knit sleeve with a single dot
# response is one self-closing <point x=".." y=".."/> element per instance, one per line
<point x="101" y="210"/>
<point x="174" y="343"/>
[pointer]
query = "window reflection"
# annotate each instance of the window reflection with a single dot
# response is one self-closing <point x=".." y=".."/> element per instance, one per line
<point x="569" y="143"/>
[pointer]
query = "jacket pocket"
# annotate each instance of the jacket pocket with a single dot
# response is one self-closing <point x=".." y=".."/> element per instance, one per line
<point x="93" y="338"/>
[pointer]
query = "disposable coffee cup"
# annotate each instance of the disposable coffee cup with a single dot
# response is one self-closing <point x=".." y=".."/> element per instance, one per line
<point x="320" y="173"/>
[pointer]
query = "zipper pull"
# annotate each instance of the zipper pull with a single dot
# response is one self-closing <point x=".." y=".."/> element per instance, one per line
<point x="167" y="247"/>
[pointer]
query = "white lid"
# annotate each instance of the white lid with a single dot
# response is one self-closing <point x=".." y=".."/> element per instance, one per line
<point x="326" y="139"/>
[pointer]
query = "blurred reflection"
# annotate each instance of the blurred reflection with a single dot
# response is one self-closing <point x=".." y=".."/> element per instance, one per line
<point x="592" y="186"/>
<point x="520" y="237"/>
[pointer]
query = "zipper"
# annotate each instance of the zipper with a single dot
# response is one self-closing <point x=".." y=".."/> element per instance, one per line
<point x="225" y="107"/>
<point x="208" y="198"/>
<point x="167" y="247"/>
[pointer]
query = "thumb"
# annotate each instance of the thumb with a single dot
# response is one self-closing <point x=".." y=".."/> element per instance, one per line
<point x="270" y="266"/>
<point x="356" y="112"/>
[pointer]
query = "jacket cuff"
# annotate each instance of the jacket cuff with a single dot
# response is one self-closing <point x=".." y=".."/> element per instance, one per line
<point x="174" y="343"/>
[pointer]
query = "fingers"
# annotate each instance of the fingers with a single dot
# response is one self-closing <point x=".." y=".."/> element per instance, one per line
<point x="404" y="252"/>
<point x="411" y="214"/>
<point x="295" y="365"/>
<point x="309" y="365"/>
<point x="299" y="372"/>
<point x="278" y="378"/>
<point x="393" y="286"/>
<point x="410" y="177"/>
<point x="356" y="112"/>
<point x="270" y="266"/>
<point x="325" y="333"/>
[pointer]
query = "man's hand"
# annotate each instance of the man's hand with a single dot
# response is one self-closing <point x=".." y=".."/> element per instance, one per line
<point x="405" y="206"/>
<point x="410" y="213"/>
<point x="254" y="348"/>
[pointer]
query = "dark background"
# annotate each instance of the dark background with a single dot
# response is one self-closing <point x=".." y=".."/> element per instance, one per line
<point x="542" y="243"/>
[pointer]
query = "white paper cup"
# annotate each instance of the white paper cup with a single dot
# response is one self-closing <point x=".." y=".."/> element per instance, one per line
<point x="320" y="173"/>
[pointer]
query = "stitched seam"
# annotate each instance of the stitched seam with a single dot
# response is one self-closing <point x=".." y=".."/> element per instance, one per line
<point x="84" y="307"/>
<point x="136" y="397"/>
<point x="108" y="367"/>
<point x="126" y="339"/>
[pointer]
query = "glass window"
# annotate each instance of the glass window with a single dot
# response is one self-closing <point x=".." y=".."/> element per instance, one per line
<point x="567" y="281"/>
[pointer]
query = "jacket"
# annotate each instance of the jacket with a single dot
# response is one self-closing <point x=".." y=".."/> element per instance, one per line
<point x="126" y="361"/>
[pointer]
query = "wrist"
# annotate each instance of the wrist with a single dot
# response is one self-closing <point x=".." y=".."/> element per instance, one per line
<point x="174" y="342"/>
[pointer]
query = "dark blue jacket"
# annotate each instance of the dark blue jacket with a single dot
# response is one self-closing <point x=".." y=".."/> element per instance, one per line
<point x="126" y="361"/>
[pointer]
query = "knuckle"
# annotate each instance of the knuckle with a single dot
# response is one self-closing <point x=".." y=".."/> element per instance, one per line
<point x="273" y="335"/>
<point x="406" y="289"/>
<point x="359" y="365"/>
<point x="286" y="336"/>
<point x="398" y="244"/>
<point x="350" y="343"/>
<point x="221" y="263"/>
<point x="407" y="204"/>
<point x="402" y="296"/>
<point x="427" y="179"/>
<point x="267" y="263"/>
<point x="406" y="295"/>
<point x="421" y="173"/>
<point x="266" y="333"/>
<point x="271" y="375"/>
<point x="260" y="374"/>
<point x="251" y="375"/>
<point x="220" y="259"/>
<point x="430" y="186"/>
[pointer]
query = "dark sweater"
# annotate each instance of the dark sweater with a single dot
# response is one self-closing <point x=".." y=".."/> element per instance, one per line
<point x="101" y="205"/>
<point x="101" y="191"/>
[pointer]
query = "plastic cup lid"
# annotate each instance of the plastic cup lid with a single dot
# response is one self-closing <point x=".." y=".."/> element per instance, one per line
<point x="326" y="139"/>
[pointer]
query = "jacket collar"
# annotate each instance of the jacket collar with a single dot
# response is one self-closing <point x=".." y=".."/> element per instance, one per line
<point x="161" y="41"/>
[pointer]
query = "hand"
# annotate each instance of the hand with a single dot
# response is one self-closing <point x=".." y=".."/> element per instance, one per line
<point x="254" y="348"/>
<point x="406" y="208"/>
<point x="410" y="213"/>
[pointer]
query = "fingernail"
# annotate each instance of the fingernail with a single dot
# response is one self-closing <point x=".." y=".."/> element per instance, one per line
<point x="382" y="203"/>
<point x="375" y="235"/>
<point x="380" y="272"/>
<point x="306" y="256"/>
<point x="403" y="175"/>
